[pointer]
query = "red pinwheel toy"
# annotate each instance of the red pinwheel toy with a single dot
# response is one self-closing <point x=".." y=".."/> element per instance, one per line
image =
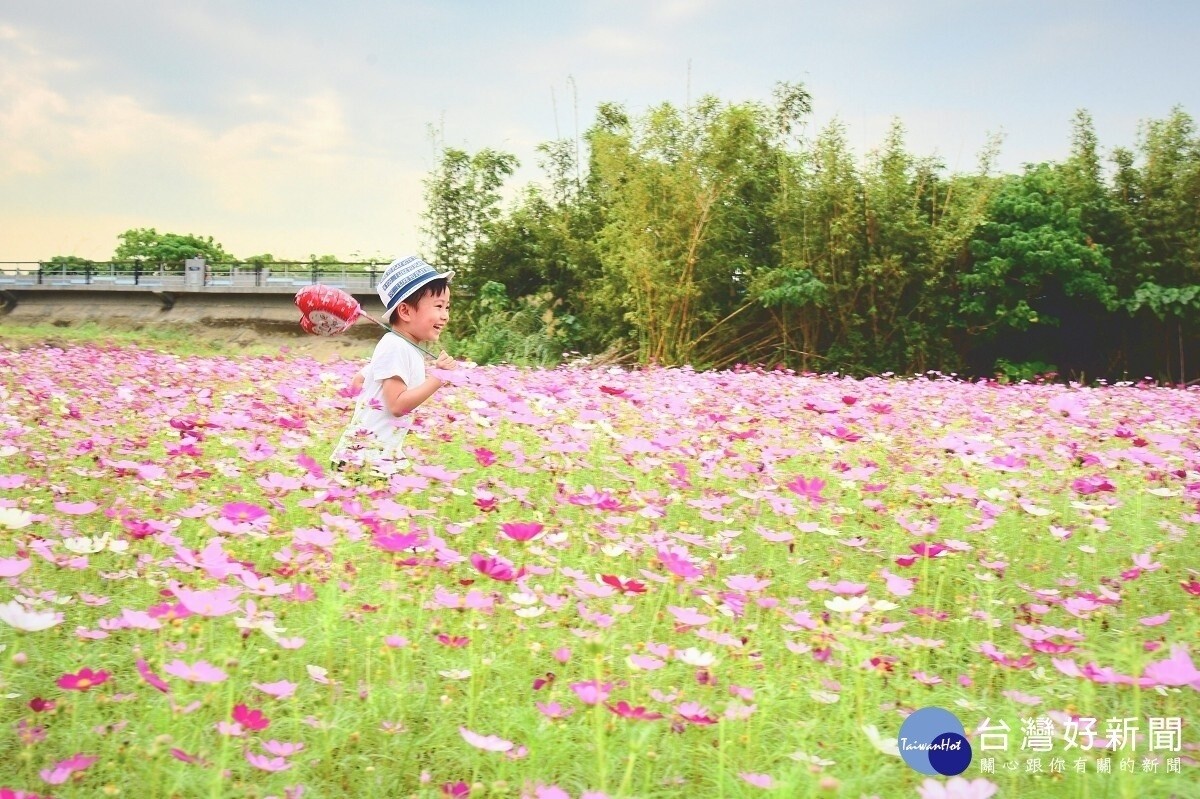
<point x="328" y="311"/>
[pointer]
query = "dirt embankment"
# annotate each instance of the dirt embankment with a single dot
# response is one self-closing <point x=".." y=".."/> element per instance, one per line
<point x="229" y="321"/>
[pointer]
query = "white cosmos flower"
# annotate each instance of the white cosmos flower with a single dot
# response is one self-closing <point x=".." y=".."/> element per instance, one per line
<point x="530" y="613"/>
<point x="889" y="746"/>
<point x="15" y="518"/>
<point x="694" y="657"/>
<point x="883" y="604"/>
<point x="813" y="759"/>
<point x="86" y="545"/>
<point x="14" y="614"/>
<point x="824" y="697"/>
<point x="118" y="545"/>
<point x="842" y="604"/>
<point x="456" y="674"/>
<point x="613" y="550"/>
<point x="523" y="599"/>
<point x="318" y="673"/>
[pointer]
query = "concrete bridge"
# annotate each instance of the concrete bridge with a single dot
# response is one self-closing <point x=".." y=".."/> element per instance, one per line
<point x="127" y="295"/>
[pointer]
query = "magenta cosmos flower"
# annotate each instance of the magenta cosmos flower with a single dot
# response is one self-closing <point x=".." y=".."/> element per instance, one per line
<point x="84" y="680"/>
<point x="521" y="531"/>
<point x="253" y="720"/>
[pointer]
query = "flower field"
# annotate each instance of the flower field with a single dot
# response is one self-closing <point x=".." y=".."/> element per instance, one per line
<point x="592" y="583"/>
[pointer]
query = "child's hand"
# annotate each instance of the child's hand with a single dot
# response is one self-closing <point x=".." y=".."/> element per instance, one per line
<point x="443" y="368"/>
<point x="354" y="388"/>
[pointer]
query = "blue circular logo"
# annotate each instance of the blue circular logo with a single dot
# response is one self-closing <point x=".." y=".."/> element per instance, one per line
<point x="933" y="741"/>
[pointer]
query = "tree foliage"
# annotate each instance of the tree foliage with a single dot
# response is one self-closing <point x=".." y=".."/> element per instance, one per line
<point x="149" y="246"/>
<point x="720" y="233"/>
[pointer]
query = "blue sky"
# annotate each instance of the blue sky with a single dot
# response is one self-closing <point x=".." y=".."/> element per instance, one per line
<point x="301" y="128"/>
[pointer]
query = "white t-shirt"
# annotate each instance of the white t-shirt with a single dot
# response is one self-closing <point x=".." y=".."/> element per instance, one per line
<point x="374" y="437"/>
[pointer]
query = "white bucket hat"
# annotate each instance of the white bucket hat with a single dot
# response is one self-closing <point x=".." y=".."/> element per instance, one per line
<point x="402" y="277"/>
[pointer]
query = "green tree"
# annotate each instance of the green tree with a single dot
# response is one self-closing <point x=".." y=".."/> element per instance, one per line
<point x="1030" y="256"/>
<point x="462" y="203"/>
<point x="684" y="222"/>
<point x="148" y="246"/>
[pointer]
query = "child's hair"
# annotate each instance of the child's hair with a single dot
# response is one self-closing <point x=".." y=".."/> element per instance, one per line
<point x="435" y="287"/>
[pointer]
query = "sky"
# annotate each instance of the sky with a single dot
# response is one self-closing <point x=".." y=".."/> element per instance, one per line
<point x="306" y="128"/>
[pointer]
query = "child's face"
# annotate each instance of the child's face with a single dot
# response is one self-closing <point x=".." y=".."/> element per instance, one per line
<point x="426" y="321"/>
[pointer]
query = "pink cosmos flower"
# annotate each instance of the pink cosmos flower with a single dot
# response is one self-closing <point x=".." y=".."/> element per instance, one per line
<point x="554" y="710"/>
<point x="645" y="662"/>
<point x="13" y="567"/>
<point x="76" y="508"/>
<point x="29" y="734"/>
<point x="592" y="692"/>
<point x="807" y="488"/>
<point x="1177" y="670"/>
<point x="184" y="757"/>
<point x="215" y="602"/>
<point x="688" y="616"/>
<point x="456" y="790"/>
<point x="1022" y="698"/>
<point x="484" y="456"/>
<point x="230" y="728"/>
<point x="496" y="567"/>
<point x="152" y="678"/>
<point x="253" y="720"/>
<point x="488" y="743"/>
<point x="265" y="763"/>
<point x="282" y="748"/>
<point x="547" y="792"/>
<point x="627" y="711"/>
<point x="522" y="531"/>
<point x="397" y="542"/>
<point x="678" y="564"/>
<point x="85" y="680"/>
<point x="957" y="788"/>
<point x="63" y="769"/>
<point x="758" y="780"/>
<point x="200" y="672"/>
<point x="280" y="690"/>
<point x="746" y="582"/>
<point x="242" y="512"/>
<point x="695" y="713"/>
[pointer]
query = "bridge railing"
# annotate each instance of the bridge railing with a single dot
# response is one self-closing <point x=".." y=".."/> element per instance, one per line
<point x="353" y="276"/>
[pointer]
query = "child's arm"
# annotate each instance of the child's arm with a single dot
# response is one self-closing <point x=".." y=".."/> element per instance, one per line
<point x="399" y="399"/>
<point x="357" y="383"/>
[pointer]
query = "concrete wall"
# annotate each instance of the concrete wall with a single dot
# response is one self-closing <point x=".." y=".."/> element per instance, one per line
<point x="264" y="311"/>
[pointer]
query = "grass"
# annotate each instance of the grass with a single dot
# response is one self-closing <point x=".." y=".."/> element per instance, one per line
<point x="680" y="487"/>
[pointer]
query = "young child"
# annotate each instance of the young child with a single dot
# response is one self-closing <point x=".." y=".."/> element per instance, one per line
<point x="417" y="302"/>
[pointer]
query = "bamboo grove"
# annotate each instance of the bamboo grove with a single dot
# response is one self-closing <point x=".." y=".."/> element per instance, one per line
<point x="726" y="233"/>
